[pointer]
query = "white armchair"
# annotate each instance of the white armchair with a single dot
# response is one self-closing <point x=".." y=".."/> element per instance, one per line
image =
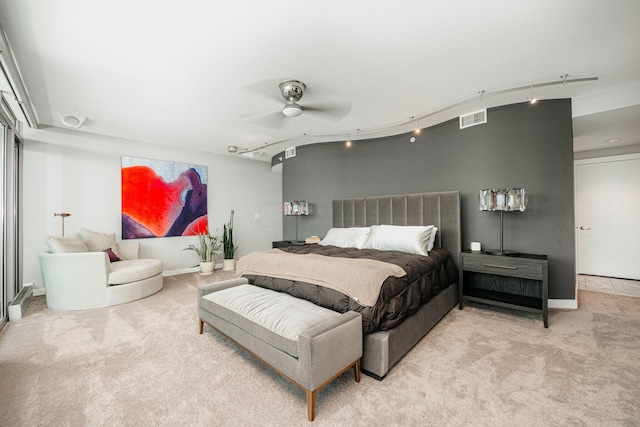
<point x="83" y="280"/>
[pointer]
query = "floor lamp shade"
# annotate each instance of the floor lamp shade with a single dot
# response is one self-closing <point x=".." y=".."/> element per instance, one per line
<point x="296" y="208"/>
<point x="502" y="200"/>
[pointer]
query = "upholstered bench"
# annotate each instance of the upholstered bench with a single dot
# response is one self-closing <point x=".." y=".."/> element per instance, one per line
<point x="307" y="344"/>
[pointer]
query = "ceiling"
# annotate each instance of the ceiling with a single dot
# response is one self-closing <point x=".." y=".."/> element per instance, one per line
<point x="204" y="75"/>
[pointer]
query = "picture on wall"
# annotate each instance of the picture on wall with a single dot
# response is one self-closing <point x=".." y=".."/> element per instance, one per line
<point x="162" y="198"/>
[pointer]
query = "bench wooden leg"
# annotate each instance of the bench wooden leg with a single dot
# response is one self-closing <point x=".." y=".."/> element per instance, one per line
<point x="356" y="370"/>
<point x="201" y="326"/>
<point x="311" y="404"/>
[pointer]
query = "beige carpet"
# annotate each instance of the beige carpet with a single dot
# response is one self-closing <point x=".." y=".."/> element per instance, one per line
<point x="144" y="364"/>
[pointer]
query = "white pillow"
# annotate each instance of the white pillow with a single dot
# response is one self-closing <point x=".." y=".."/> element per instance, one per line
<point x="411" y="239"/>
<point x="63" y="245"/>
<point x="353" y="237"/>
<point x="97" y="242"/>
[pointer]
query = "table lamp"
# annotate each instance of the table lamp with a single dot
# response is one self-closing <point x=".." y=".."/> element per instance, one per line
<point x="502" y="200"/>
<point x="296" y="208"/>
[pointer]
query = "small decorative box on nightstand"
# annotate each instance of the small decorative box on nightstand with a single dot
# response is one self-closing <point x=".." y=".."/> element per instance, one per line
<point x="518" y="282"/>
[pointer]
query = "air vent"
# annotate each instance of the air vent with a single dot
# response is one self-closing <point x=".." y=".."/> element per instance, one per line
<point x="472" y="119"/>
<point x="290" y="152"/>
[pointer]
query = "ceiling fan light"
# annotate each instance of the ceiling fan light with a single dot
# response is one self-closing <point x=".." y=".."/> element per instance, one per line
<point x="292" y="110"/>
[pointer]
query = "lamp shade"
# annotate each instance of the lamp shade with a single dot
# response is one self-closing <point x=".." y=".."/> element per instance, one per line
<point x="503" y="199"/>
<point x="296" y="207"/>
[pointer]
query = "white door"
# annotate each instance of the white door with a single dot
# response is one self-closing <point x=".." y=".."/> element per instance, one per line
<point x="608" y="216"/>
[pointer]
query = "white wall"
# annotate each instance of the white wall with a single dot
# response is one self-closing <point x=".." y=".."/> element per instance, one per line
<point x="79" y="173"/>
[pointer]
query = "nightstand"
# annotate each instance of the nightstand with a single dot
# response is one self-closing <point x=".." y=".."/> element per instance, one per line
<point x="517" y="282"/>
<point x="285" y="243"/>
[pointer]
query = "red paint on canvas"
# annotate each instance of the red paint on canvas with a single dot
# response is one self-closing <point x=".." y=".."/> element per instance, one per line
<point x="151" y="201"/>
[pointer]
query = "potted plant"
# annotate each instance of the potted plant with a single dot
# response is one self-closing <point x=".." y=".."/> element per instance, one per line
<point x="229" y="250"/>
<point x="208" y="250"/>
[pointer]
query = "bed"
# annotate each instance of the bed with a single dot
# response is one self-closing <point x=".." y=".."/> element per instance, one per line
<point x="390" y="335"/>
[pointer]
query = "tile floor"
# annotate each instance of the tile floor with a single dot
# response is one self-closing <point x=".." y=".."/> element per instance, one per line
<point x="609" y="285"/>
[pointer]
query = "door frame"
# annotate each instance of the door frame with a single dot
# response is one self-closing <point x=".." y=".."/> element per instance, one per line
<point x="576" y="163"/>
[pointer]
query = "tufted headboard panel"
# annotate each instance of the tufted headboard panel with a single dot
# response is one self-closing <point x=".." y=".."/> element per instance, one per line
<point x="441" y="209"/>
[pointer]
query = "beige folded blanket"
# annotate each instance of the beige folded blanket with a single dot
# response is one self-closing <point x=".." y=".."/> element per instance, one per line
<point x="360" y="279"/>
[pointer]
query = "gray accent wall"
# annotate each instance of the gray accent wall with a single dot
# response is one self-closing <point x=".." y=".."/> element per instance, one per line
<point x="521" y="145"/>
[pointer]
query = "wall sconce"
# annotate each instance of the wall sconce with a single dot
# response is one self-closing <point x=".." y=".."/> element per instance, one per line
<point x="296" y="208"/>
<point x="503" y="200"/>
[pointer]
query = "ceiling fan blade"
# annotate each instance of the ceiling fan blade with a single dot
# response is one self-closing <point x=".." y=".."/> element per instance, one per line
<point x="334" y="111"/>
<point x="267" y="88"/>
<point x="274" y="120"/>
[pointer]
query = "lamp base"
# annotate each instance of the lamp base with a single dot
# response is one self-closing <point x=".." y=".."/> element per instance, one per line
<point x="501" y="253"/>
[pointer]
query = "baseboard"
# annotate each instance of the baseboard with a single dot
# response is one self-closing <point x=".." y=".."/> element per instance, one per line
<point x="38" y="291"/>
<point x="21" y="302"/>
<point x="186" y="270"/>
<point x="571" y="304"/>
<point x="166" y="273"/>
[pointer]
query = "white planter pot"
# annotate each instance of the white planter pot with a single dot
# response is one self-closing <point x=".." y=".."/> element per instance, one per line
<point x="207" y="267"/>
<point x="228" y="264"/>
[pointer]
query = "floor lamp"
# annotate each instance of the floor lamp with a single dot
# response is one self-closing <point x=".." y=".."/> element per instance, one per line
<point x="296" y="208"/>
<point x="63" y="215"/>
<point x="502" y="200"/>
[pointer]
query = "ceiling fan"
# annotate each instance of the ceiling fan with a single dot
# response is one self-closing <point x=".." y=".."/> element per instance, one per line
<point x="292" y="91"/>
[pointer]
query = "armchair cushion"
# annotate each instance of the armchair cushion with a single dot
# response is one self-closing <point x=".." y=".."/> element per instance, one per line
<point x="64" y="245"/>
<point x="127" y="250"/>
<point x="98" y="242"/>
<point x="127" y="271"/>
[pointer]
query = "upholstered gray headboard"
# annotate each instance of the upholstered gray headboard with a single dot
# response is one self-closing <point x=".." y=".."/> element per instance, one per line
<point x="441" y="209"/>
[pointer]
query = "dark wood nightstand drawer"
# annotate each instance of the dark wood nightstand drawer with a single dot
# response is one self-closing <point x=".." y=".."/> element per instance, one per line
<point x="507" y="266"/>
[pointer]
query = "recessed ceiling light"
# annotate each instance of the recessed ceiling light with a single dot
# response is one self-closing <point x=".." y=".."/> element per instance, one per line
<point x="613" y="140"/>
<point x="71" y="121"/>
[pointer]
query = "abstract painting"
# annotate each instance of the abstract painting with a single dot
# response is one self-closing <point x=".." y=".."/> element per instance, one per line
<point x="162" y="198"/>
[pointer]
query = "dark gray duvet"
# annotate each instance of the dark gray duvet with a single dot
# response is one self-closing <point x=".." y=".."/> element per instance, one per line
<point x="399" y="296"/>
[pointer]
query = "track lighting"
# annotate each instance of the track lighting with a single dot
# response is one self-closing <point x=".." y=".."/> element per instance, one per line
<point x="348" y="143"/>
<point x="416" y="130"/>
<point x="612" y="140"/>
<point x="532" y="99"/>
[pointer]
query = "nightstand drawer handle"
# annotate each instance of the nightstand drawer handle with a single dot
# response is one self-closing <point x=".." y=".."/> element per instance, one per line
<point x="501" y="266"/>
